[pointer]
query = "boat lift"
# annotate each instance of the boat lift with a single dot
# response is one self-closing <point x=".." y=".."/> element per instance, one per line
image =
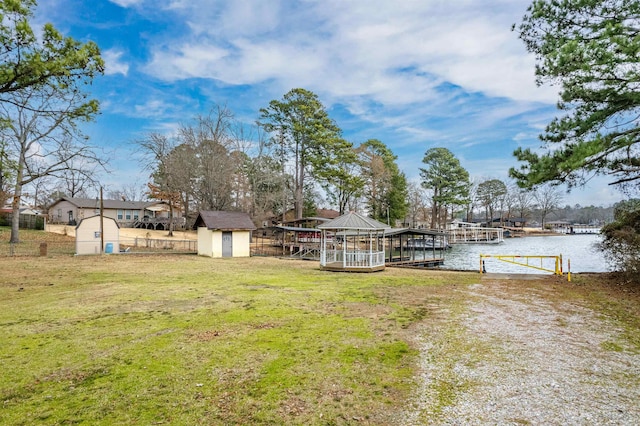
<point x="525" y="261"/>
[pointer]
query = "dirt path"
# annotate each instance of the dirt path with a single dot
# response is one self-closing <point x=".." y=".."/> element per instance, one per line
<point x="527" y="359"/>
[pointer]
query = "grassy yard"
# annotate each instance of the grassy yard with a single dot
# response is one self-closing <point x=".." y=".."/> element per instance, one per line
<point x="132" y="339"/>
<point x="30" y="241"/>
<point x="191" y="340"/>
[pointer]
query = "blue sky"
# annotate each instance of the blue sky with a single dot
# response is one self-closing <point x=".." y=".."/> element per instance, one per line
<point x="415" y="74"/>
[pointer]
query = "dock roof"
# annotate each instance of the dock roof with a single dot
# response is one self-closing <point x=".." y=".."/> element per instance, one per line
<point x="353" y="220"/>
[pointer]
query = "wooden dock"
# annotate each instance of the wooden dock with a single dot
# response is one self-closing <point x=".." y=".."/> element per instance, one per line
<point x="421" y="263"/>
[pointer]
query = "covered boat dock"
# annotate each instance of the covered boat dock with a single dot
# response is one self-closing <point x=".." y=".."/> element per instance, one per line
<point x="417" y="248"/>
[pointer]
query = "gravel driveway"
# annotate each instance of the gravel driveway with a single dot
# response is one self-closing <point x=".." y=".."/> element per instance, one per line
<point x="531" y="360"/>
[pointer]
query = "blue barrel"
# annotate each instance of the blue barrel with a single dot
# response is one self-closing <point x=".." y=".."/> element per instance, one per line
<point x="108" y="248"/>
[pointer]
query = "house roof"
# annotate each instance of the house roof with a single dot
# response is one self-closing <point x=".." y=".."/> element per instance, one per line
<point x="327" y="213"/>
<point x="224" y="221"/>
<point x="90" y="203"/>
<point x="353" y="220"/>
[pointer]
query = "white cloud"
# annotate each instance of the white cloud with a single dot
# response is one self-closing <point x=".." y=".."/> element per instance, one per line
<point x="126" y="3"/>
<point x="113" y="63"/>
<point x="152" y="108"/>
<point x="393" y="53"/>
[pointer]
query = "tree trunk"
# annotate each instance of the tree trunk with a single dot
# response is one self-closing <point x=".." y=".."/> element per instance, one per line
<point x="15" y="204"/>
<point x="15" y="218"/>
<point x="170" y="218"/>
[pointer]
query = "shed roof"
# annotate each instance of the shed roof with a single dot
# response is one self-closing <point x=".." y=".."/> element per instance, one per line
<point x="353" y="220"/>
<point x="224" y="221"/>
<point x="104" y="218"/>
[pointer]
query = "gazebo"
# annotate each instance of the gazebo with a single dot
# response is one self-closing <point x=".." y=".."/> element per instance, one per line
<point x="352" y="243"/>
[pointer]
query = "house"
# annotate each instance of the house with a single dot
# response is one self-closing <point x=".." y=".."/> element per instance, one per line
<point x="512" y="222"/>
<point x="224" y="234"/>
<point x="91" y="233"/>
<point x="127" y="214"/>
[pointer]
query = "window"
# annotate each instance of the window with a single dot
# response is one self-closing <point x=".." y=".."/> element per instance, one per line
<point x="136" y="214"/>
<point x="128" y="214"/>
<point x="120" y="214"/>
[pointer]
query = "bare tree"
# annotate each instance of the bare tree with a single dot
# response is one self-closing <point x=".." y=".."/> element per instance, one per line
<point x="200" y="165"/>
<point x="129" y="192"/>
<point x="418" y="207"/>
<point x="216" y="164"/>
<point x="523" y="202"/>
<point x="156" y="149"/>
<point x="43" y="137"/>
<point x="548" y="199"/>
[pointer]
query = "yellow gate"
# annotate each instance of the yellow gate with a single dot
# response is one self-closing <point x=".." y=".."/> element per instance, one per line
<point x="524" y="261"/>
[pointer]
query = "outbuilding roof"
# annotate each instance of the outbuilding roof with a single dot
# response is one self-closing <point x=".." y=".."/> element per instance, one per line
<point x="353" y="220"/>
<point x="224" y="221"/>
<point x="87" y="219"/>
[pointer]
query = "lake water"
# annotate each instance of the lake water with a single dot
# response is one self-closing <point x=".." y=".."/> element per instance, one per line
<point x="576" y="248"/>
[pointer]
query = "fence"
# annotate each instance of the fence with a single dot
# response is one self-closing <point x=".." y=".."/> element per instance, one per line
<point x="27" y="221"/>
<point x="142" y="244"/>
<point x="36" y="247"/>
<point x="68" y="248"/>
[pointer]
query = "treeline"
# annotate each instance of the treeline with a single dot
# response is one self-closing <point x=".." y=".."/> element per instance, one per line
<point x="293" y="159"/>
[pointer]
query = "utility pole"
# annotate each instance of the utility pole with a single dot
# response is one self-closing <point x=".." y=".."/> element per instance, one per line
<point x="101" y="223"/>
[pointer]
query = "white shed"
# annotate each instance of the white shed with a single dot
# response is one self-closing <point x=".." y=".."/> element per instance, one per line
<point x="88" y="236"/>
<point x="224" y="234"/>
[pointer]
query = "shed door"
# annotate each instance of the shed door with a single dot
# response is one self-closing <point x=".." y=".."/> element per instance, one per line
<point x="227" y="244"/>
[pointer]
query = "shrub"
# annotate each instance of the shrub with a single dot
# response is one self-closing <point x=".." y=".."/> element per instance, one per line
<point x="621" y="242"/>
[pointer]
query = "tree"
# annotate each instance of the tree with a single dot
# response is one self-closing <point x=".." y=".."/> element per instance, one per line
<point x="27" y="61"/>
<point x="44" y="137"/>
<point x="472" y="200"/>
<point x="417" y="209"/>
<point x="305" y="134"/>
<point x="156" y="149"/>
<point x="267" y="186"/>
<point x="199" y="164"/>
<point x="548" y="199"/>
<point x="523" y="202"/>
<point x="385" y="185"/>
<point x="591" y="49"/>
<point x="6" y="169"/>
<point x="621" y="238"/>
<point x="156" y="192"/>
<point x="448" y="181"/>
<point x="341" y="180"/>
<point x="219" y="165"/>
<point x="78" y="178"/>
<point x="490" y="194"/>
<point x="42" y="99"/>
